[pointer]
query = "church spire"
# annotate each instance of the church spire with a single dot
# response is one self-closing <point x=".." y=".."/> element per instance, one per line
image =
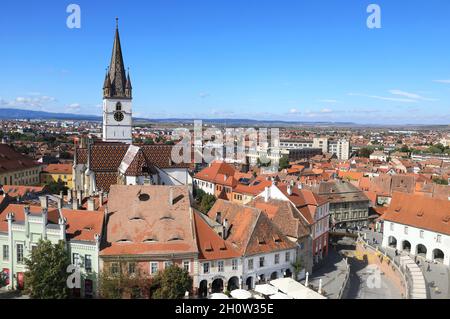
<point x="117" y="74"/>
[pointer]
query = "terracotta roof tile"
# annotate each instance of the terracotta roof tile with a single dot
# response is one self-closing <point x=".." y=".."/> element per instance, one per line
<point x="419" y="211"/>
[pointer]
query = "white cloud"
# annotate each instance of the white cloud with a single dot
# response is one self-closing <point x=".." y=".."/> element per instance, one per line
<point x="326" y="111"/>
<point x="204" y="95"/>
<point x="442" y="81"/>
<point x="28" y="102"/>
<point x="74" y="108"/>
<point x="384" y="98"/>
<point x="329" y="101"/>
<point x="294" y="111"/>
<point x="409" y="95"/>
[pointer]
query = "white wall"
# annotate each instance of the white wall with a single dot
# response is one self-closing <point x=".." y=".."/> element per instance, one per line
<point x="415" y="237"/>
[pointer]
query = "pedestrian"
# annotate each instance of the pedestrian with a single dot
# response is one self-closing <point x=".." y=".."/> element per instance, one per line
<point x="428" y="267"/>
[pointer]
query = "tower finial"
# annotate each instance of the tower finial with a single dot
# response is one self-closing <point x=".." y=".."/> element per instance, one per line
<point x="117" y="22"/>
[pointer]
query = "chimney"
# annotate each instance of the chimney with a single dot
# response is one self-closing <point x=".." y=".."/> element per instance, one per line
<point x="100" y="198"/>
<point x="289" y="190"/>
<point x="75" y="204"/>
<point x="26" y="214"/>
<point x="300" y="185"/>
<point x="91" y="204"/>
<point x="219" y="217"/>
<point x="266" y="194"/>
<point x="44" y="201"/>
<point x="62" y="224"/>
<point x="225" y="228"/>
<point x="44" y="223"/>
<point x="170" y="196"/>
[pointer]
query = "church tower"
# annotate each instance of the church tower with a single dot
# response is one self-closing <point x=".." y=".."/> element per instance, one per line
<point x="117" y="96"/>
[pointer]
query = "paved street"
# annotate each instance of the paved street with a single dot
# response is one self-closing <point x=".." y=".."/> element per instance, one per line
<point x="332" y="275"/>
<point x="361" y="287"/>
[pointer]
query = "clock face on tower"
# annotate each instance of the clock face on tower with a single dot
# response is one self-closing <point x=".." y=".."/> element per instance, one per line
<point x="118" y="116"/>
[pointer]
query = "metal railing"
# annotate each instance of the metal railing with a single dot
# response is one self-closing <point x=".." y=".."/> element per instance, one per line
<point x="346" y="280"/>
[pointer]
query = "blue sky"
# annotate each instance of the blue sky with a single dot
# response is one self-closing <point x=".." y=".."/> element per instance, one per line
<point x="305" y="60"/>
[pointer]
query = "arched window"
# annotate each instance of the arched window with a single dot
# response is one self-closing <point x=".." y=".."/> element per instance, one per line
<point x="119" y="106"/>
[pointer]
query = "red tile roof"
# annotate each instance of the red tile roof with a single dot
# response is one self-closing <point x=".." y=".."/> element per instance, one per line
<point x="58" y="169"/>
<point x="11" y="161"/>
<point x="251" y="231"/>
<point x="420" y="212"/>
<point x="211" y="245"/>
<point x="141" y="221"/>
<point x="20" y="191"/>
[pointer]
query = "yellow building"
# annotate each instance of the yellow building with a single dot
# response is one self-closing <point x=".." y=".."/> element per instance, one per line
<point x="57" y="172"/>
<point x="17" y="169"/>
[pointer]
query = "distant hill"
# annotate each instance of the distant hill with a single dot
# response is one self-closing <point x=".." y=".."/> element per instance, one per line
<point x="12" y="114"/>
<point x="15" y="114"/>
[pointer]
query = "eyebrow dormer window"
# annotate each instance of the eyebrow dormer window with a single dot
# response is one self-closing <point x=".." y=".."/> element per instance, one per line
<point x="119" y="106"/>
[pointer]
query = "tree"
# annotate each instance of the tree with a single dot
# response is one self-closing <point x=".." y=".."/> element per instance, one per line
<point x="123" y="284"/>
<point x="440" y="181"/>
<point x="284" y="163"/>
<point x="298" y="267"/>
<point x="365" y="152"/>
<point x="172" y="283"/>
<point x="169" y="143"/>
<point x="207" y="202"/>
<point x="57" y="187"/>
<point x="46" y="277"/>
<point x="149" y="141"/>
<point x="3" y="279"/>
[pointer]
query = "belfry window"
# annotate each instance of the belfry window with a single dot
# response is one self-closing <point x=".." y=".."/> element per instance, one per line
<point x="119" y="106"/>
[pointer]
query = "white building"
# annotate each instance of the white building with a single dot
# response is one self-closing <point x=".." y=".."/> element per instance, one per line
<point x="418" y="225"/>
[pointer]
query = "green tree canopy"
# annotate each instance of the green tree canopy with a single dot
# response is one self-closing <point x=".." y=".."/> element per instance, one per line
<point x="124" y="284"/>
<point x="172" y="283"/>
<point x="57" y="187"/>
<point x="365" y="152"/>
<point x="284" y="163"/>
<point x="46" y="277"/>
<point x="207" y="202"/>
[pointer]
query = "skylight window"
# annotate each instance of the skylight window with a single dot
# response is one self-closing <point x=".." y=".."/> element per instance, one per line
<point x="144" y="197"/>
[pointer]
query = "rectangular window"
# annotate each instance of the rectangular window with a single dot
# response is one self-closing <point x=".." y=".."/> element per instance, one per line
<point x="421" y="233"/>
<point x="206" y="268"/>
<point x="75" y="259"/>
<point x="288" y="257"/>
<point x="131" y="268"/>
<point x="167" y="264"/>
<point x="392" y="226"/>
<point x="114" y="268"/>
<point x="19" y="253"/>
<point x="88" y="263"/>
<point x="250" y="264"/>
<point x="439" y="238"/>
<point x="220" y="266"/>
<point x="153" y="267"/>
<point x="187" y="265"/>
<point x="277" y="259"/>
<point x="261" y="262"/>
<point x="234" y="264"/>
<point x="406" y="230"/>
<point x="5" y="252"/>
